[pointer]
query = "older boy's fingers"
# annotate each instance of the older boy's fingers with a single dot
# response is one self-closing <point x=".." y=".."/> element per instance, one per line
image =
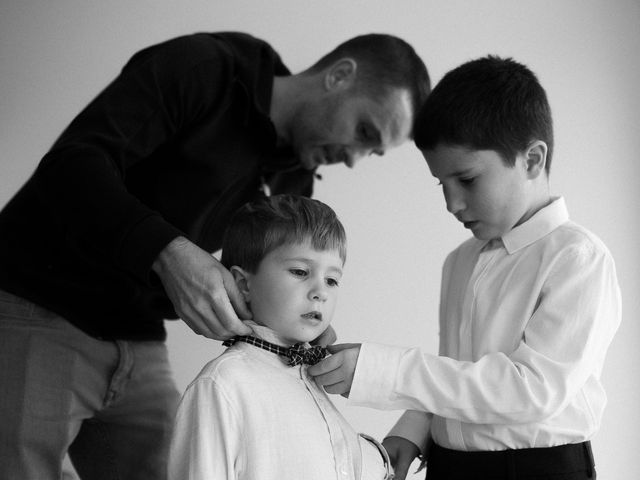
<point x="340" y="388"/>
<point x="327" y="365"/>
<point x="326" y="338"/>
<point x="342" y="346"/>
<point x="331" y="378"/>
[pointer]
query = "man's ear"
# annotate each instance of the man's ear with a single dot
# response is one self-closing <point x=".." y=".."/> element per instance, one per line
<point x="341" y="75"/>
<point x="242" y="281"/>
<point x="536" y="158"/>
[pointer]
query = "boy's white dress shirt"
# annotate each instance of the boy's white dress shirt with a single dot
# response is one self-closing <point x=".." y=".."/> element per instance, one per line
<point x="249" y="416"/>
<point x="525" y="324"/>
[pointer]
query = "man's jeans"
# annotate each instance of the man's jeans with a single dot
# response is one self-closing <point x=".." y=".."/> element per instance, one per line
<point x="109" y="404"/>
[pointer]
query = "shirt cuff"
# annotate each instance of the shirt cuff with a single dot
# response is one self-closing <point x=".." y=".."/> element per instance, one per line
<point x="144" y="243"/>
<point x="374" y="376"/>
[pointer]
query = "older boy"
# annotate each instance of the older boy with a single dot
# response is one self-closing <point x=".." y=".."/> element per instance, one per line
<point x="528" y="307"/>
<point x="254" y="412"/>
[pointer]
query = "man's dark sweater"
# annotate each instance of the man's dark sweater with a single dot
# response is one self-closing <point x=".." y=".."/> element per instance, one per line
<point x="173" y="146"/>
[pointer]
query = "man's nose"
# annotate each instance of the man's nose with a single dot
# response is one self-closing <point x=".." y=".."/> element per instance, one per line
<point x="353" y="157"/>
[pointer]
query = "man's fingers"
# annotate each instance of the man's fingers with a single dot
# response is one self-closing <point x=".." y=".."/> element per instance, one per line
<point x="237" y="300"/>
<point x="226" y="317"/>
<point x="201" y="326"/>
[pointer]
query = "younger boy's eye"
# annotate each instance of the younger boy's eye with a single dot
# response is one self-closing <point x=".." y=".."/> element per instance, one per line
<point x="332" y="282"/>
<point x="298" y="272"/>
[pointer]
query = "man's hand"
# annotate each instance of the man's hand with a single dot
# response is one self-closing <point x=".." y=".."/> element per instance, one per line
<point x="203" y="292"/>
<point x="402" y="453"/>
<point x="335" y="373"/>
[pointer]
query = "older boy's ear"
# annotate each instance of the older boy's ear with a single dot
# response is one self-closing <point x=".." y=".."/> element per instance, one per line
<point x="536" y="158"/>
<point x="242" y="282"/>
<point x="341" y="75"/>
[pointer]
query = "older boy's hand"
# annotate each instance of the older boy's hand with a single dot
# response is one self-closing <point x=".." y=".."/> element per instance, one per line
<point x="402" y="453"/>
<point x="328" y="337"/>
<point x="335" y="373"/>
<point x="202" y="290"/>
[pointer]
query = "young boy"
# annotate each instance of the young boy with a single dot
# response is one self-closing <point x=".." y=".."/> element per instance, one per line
<point x="528" y="306"/>
<point x="253" y="412"/>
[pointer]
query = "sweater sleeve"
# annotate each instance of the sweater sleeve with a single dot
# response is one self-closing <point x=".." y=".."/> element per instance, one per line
<point x="159" y="94"/>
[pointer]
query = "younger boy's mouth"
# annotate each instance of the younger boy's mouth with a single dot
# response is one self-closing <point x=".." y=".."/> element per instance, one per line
<point x="312" y="315"/>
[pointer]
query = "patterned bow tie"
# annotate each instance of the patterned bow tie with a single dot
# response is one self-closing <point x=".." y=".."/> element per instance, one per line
<point x="296" y="354"/>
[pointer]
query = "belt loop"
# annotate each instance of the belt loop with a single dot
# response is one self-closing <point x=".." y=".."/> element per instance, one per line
<point x="588" y="456"/>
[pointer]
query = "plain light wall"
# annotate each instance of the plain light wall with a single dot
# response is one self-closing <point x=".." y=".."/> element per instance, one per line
<point x="56" y="55"/>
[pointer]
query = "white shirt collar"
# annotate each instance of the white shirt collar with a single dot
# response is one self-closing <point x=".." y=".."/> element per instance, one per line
<point x="543" y="222"/>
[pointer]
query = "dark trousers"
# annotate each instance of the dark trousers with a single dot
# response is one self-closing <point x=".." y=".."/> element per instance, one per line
<point x="565" y="462"/>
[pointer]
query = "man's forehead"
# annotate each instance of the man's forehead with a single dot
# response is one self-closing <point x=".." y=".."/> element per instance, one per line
<point x="397" y="117"/>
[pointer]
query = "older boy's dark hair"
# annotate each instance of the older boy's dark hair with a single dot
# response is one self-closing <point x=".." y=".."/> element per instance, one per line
<point x="260" y="227"/>
<point x="384" y="62"/>
<point x="487" y="104"/>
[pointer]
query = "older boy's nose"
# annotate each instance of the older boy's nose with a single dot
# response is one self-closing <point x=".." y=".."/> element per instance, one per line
<point x="454" y="201"/>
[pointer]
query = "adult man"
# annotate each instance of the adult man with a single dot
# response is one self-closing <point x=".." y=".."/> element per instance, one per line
<point x="114" y="231"/>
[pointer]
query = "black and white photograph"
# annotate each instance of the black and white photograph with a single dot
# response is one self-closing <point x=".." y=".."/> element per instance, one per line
<point x="302" y="240"/>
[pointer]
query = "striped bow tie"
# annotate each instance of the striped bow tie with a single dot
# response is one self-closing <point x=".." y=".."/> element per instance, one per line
<point x="296" y="354"/>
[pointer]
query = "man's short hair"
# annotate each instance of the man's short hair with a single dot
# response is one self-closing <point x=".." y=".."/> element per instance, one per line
<point x="384" y="62"/>
<point x="489" y="103"/>
<point x="260" y="227"/>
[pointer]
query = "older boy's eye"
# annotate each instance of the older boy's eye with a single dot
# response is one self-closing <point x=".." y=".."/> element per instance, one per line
<point x="298" y="272"/>
<point x="467" y="180"/>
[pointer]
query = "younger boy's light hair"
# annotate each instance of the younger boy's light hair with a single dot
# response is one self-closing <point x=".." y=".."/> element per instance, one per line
<point x="487" y="104"/>
<point x="260" y="227"/>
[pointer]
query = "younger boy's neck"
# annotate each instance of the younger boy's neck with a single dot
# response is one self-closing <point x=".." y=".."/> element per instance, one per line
<point x="268" y="334"/>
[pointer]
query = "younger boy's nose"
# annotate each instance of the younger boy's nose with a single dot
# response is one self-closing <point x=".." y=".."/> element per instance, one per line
<point x="318" y="294"/>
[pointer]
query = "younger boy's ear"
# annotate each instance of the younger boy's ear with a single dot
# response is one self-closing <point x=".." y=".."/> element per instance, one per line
<point x="341" y="75"/>
<point x="241" y="279"/>
<point x="536" y="158"/>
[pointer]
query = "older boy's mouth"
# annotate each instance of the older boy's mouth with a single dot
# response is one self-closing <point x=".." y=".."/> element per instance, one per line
<point x="312" y="315"/>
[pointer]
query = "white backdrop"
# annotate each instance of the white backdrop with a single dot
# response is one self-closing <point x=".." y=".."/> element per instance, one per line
<point x="56" y="55"/>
